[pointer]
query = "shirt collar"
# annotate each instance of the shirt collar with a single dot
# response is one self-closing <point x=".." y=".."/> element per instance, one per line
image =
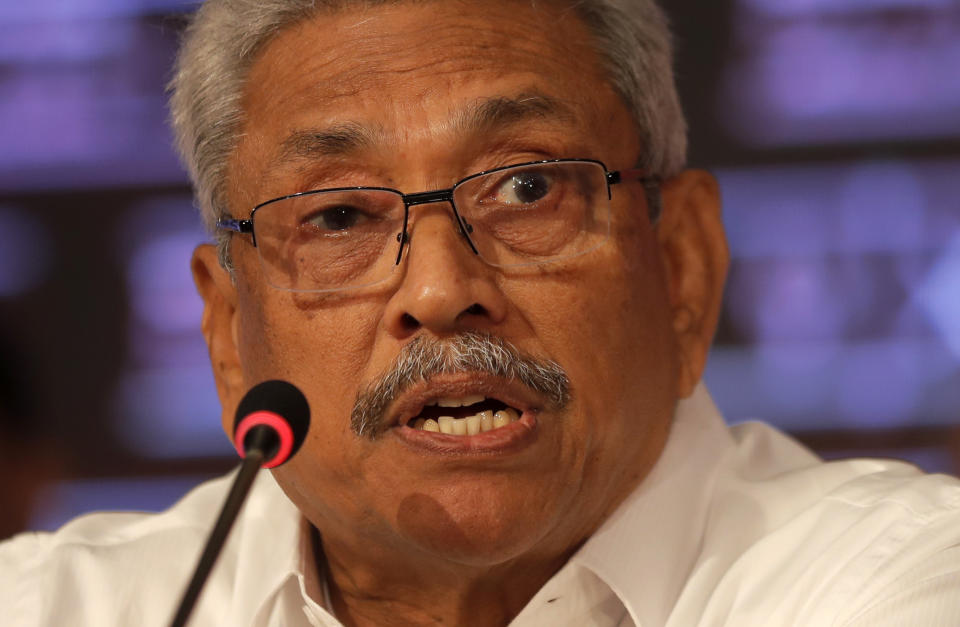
<point x="273" y="546"/>
<point x="646" y="549"/>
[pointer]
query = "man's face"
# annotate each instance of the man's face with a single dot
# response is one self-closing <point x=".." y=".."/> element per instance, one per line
<point x="392" y="95"/>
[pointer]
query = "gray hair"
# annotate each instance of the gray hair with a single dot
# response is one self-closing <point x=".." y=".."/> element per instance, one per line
<point x="224" y="37"/>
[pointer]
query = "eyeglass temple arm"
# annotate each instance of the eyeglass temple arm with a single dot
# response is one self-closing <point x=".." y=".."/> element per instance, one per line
<point x="239" y="226"/>
<point x="651" y="185"/>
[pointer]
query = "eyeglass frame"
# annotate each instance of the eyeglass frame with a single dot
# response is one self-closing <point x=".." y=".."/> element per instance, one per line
<point x="651" y="186"/>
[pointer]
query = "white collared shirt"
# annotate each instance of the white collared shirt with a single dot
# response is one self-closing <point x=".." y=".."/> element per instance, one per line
<point x="734" y="526"/>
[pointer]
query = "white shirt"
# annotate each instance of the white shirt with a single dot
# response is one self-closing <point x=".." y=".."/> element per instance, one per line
<point x="734" y="526"/>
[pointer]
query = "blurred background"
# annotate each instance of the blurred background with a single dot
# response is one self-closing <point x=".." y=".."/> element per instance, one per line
<point x="833" y="127"/>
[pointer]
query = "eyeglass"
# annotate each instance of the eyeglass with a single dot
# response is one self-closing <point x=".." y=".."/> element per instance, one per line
<point x="351" y="237"/>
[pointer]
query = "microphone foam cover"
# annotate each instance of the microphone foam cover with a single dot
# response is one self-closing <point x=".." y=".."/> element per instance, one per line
<point x="280" y="406"/>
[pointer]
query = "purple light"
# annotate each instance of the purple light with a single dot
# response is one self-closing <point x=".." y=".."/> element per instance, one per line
<point x="67" y="42"/>
<point x="83" y="101"/>
<point x="162" y="294"/>
<point x="791" y="299"/>
<point x="805" y="78"/>
<point x="797" y="8"/>
<point x="60" y="503"/>
<point x="172" y="412"/>
<point x="940" y="295"/>
<point x="157" y="239"/>
<point x="819" y="249"/>
<point x="48" y="10"/>
<point x="62" y="121"/>
<point x="166" y="403"/>
<point x="885" y="207"/>
<point x="789" y="385"/>
<point x="879" y="384"/>
<point x="881" y="208"/>
<point x="829" y="385"/>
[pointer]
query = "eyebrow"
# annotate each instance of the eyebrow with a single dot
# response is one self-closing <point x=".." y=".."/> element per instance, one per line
<point x="482" y="117"/>
<point x="502" y="112"/>
<point x="334" y="141"/>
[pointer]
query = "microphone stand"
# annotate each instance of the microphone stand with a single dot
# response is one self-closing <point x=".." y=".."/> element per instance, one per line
<point x="260" y="439"/>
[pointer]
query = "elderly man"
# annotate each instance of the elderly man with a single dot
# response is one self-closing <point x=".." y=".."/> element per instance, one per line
<point x="463" y="229"/>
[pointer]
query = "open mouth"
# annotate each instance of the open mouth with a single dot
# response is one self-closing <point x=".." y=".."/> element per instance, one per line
<point x="468" y="415"/>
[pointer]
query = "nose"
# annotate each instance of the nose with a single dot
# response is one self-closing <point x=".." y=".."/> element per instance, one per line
<point x="446" y="287"/>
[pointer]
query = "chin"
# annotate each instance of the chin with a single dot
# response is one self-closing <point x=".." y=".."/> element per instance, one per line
<point x="474" y="528"/>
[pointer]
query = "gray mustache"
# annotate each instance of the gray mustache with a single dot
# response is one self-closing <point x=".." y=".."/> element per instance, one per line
<point x="426" y="357"/>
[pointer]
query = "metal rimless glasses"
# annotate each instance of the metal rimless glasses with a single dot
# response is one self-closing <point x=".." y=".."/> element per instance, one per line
<point x="350" y="237"/>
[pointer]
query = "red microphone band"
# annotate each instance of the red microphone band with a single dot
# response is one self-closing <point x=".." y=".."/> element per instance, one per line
<point x="275" y="422"/>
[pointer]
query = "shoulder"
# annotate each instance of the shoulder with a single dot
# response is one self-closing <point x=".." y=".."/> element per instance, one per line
<point x="828" y="541"/>
<point x="787" y="480"/>
<point x="85" y="572"/>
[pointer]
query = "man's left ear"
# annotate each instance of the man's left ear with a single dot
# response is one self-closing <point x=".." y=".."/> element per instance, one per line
<point x="695" y="254"/>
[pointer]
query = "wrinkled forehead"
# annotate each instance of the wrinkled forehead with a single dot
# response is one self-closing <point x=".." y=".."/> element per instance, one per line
<point x="419" y="50"/>
<point x="396" y="71"/>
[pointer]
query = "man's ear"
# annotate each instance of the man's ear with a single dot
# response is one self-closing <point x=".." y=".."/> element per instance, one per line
<point x="219" y="327"/>
<point x="695" y="255"/>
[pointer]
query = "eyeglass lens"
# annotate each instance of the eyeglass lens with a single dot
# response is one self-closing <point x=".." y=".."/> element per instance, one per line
<point x="522" y="215"/>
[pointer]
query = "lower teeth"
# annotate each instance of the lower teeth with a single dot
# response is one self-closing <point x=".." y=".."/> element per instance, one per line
<point x="471" y="425"/>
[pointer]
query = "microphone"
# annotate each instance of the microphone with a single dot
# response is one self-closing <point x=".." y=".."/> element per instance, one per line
<point x="272" y="418"/>
<point x="270" y="425"/>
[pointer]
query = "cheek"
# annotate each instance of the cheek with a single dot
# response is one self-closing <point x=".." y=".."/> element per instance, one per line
<point x="613" y="314"/>
<point x="325" y="351"/>
<point x="285" y="334"/>
<point x="610" y="329"/>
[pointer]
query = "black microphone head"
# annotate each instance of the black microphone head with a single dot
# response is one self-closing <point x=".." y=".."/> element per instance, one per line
<point x="278" y="406"/>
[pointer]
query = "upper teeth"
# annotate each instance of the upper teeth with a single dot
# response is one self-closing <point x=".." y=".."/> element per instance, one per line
<point x="459" y="402"/>
<point x="470" y="425"/>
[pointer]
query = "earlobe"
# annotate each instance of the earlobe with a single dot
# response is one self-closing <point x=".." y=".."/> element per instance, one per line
<point x="694" y="250"/>
<point x="219" y="325"/>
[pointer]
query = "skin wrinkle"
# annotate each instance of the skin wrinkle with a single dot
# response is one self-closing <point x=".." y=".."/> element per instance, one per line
<point x="350" y="77"/>
<point x="424" y="358"/>
<point x="486" y="116"/>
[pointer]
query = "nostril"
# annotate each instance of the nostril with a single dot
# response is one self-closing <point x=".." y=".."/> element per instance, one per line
<point x="475" y="309"/>
<point x="409" y="323"/>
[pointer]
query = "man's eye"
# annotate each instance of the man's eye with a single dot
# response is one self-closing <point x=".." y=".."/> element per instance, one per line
<point x="524" y="188"/>
<point x="338" y="218"/>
